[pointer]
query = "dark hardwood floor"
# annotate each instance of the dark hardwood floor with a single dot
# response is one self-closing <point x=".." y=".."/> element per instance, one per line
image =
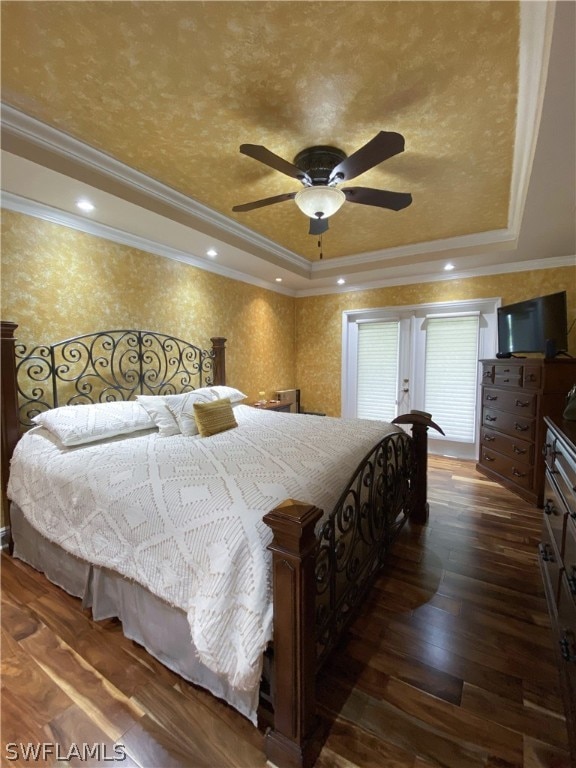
<point x="450" y="662"/>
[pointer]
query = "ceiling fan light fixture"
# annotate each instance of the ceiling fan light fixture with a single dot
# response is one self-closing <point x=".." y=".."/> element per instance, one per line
<point x="319" y="202"/>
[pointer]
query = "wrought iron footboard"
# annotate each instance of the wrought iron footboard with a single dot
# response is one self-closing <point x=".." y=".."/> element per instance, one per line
<point x="354" y="540"/>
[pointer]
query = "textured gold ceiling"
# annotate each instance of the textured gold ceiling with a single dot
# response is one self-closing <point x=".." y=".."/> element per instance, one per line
<point x="173" y="88"/>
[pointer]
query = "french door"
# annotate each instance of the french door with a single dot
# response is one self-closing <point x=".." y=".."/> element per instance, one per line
<point x="422" y="357"/>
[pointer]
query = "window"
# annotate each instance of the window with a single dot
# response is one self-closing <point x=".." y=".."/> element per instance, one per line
<point x="450" y="374"/>
<point x="420" y="357"/>
<point x="377" y="370"/>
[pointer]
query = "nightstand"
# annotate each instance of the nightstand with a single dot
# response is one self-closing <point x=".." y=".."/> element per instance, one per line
<point x="273" y="405"/>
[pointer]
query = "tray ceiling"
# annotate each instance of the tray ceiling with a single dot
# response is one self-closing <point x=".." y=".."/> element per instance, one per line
<point x="171" y="89"/>
<point x="143" y="107"/>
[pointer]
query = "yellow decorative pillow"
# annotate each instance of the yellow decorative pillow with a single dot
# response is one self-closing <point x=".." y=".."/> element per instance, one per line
<point x="214" y="417"/>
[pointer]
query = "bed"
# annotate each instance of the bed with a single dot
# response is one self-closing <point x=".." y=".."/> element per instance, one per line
<point x="236" y="555"/>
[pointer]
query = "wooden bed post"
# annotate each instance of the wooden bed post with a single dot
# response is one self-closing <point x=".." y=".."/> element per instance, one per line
<point x="420" y="422"/>
<point x="219" y="369"/>
<point x="10" y="426"/>
<point x="291" y="743"/>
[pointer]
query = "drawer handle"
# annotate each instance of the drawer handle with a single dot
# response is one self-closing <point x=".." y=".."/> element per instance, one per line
<point x="520" y="427"/>
<point x="491" y="438"/>
<point x="519" y="451"/>
<point x="549" y="508"/>
<point x="545" y="554"/>
<point x="487" y="374"/>
<point x="522" y="404"/>
<point x="566" y="650"/>
<point x="487" y="458"/>
<point x="492" y="397"/>
<point x="531" y="377"/>
<point x="517" y="473"/>
<point x="491" y="418"/>
<point x="506" y="380"/>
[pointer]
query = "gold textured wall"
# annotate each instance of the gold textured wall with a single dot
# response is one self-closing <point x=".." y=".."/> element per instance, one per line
<point x="58" y="282"/>
<point x="319" y="321"/>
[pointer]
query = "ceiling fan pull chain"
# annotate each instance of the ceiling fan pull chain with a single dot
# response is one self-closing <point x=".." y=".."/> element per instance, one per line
<point x="320" y="245"/>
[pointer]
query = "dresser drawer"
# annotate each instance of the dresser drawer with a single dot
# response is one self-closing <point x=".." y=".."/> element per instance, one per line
<point x="509" y="445"/>
<point x="569" y="558"/>
<point x="550" y="561"/>
<point x="520" y="426"/>
<point x="487" y="374"/>
<point x="508" y="375"/>
<point x="521" y="403"/>
<point x="558" y="548"/>
<point x="563" y="467"/>
<point x="519" y="473"/>
<point x="555" y="515"/>
<point x="532" y="376"/>
<point x="567" y="627"/>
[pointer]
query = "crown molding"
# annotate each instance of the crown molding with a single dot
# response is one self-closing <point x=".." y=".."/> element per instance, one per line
<point x="434" y="277"/>
<point x="48" y="139"/>
<point x="536" y="28"/>
<point x="55" y="216"/>
<point x="537" y="19"/>
<point x="476" y="243"/>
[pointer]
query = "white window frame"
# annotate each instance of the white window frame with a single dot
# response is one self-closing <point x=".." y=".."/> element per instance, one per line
<point x="411" y="318"/>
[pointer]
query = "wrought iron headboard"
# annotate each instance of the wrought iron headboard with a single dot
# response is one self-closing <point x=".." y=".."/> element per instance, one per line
<point x="112" y="365"/>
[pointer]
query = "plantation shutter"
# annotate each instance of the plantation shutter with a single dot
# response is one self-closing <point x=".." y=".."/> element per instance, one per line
<point x="377" y="382"/>
<point x="451" y="374"/>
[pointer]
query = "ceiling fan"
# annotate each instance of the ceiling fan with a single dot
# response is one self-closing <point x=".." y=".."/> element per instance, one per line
<point x="321" y="168"/>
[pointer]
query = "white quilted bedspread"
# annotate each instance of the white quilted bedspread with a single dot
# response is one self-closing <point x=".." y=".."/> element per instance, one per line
<point x="183" y="515"/>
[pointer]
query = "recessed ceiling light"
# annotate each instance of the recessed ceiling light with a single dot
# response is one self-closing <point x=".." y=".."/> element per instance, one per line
<point x="448" y="267"/>
<point x="212" y="252"/>
<point x="278" y="279"/>
<point x="84" y="205"/>
<point x="340" y="281"/>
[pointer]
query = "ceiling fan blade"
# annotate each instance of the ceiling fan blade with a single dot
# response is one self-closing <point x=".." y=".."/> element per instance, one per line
<point x="264" y="201"/>
<point x="384" y="145"/>
<point x="382" y="198"/>
<point x="318" y="226"/>
<point x="264" y="155"/>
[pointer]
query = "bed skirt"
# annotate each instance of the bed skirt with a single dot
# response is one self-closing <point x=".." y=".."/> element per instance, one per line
<point x="160" y="628"/>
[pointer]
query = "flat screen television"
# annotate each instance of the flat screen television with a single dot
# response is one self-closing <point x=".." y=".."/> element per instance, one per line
<point x="535" y="325"/>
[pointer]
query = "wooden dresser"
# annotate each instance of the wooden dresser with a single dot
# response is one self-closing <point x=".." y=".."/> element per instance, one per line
<point x="516" y="396"/>
<point x="557" y="555"/>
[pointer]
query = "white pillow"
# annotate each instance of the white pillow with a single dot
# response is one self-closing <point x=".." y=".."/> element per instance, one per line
<point x="182" y="408"/>
<point x="205" y="391"/>
<point x="234" y="394"/>
<point x="79" y="424"/>
<point x="159" y="412"/>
